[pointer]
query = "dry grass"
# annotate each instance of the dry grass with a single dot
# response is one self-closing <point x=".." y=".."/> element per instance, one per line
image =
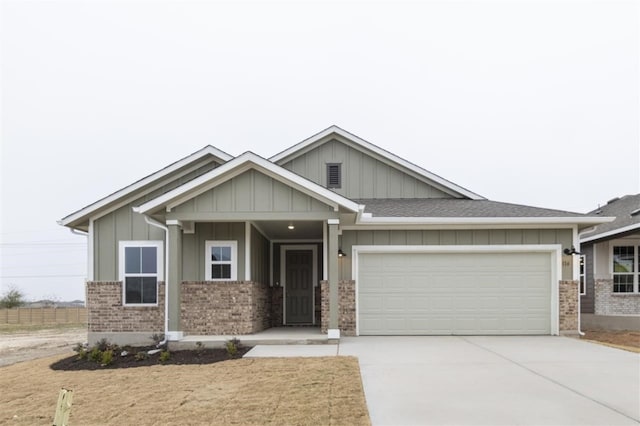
<point x="282" y="391"/>
<point x="627" y="340"/>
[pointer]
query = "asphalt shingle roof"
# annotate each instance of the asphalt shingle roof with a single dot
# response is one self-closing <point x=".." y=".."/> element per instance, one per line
<point x="454" y="207"/>
<point x="622" y="208"/>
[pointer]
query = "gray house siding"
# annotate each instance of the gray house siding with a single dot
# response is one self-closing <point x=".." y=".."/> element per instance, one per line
<point x="252" y="191"/>
<point x="193" y="247"/>
<point x="260" y="269"/>
<point x="449" y="237"/>
<point x="363" y="176"/>
<point x="587" y="302"/>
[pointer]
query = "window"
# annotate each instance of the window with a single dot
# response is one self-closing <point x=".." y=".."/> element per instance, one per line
<point x="221" y="260"/>
<point x="140" y="271"/>
<point x="625" y="268"/>
<point x="583" y="282"/>
<point x="334" y="175"/>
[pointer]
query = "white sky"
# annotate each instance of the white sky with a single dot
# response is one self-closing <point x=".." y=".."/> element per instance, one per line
<point x="530" y="102"/>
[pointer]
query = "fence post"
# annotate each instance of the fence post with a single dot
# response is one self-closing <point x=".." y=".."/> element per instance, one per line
<point x="63" y="408"/>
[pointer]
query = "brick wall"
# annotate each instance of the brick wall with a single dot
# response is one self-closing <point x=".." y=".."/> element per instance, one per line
<point x="106" y="313"/>
<point x="227" y="307"/>
<point x="346" y="307"/>
<point x="610" y="303"/>
<point x="568" y="299"/>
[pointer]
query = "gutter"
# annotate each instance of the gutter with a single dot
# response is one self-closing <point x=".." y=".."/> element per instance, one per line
<point x="166" y="276"/>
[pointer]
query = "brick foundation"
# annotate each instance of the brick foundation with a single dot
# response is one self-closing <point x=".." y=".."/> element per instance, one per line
<point x="610" y="303"/>
<point x="346" y="307"/>
<point x="106" y="314"/>
<point x="568" y="301"/>
<point x="227" y="307"/>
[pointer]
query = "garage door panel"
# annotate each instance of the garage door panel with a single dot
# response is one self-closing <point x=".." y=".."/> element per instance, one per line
<point x="454" y="293"/>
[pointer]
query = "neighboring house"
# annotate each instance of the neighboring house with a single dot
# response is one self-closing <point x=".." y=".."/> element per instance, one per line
<point x="611" y="253"/>
<point x="334" y="232"/>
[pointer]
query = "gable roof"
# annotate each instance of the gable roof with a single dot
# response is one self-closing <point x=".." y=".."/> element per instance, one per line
<point x="317" y="139"/>
<point x="626" y="211"/>
<point x="237" y="166"/>
<point x="79" y="217"/>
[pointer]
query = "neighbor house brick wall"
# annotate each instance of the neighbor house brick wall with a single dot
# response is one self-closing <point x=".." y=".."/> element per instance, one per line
<point x="610" y="303"/>
<point x="568" y="299"/>
<point x="105" y="312"/>
<point x="346" y="307"/>
<point x="225" y="307"/>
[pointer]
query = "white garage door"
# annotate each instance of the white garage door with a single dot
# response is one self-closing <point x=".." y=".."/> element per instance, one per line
<point x="454" y="293"/>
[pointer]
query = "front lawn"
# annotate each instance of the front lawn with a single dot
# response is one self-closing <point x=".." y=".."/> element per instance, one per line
<point x="313" y="391"/>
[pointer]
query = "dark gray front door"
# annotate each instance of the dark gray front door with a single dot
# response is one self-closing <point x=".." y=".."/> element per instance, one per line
<point x="299" y="286"/>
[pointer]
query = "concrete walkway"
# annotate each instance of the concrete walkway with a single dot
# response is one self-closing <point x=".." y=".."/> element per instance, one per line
<point x="540" y="380"/>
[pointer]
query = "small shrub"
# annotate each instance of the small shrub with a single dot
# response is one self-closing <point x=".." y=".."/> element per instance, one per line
<point x="103" y="344"/>
<point x="232" y="347"/>
<point x="164" y="356"/>
<point x="141" y="356"/>
<point x="82" y="354"/>
<point x="107" y="357"/>
<point x="95" y="355"/>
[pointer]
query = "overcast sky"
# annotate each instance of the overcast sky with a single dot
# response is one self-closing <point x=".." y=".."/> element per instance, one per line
<point x="529" y="102"/>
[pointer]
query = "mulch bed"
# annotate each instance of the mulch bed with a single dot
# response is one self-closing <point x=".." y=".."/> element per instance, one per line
<point x="181" y="357"/>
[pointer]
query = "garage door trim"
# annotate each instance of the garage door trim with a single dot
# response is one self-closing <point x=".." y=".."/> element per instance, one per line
<point x="554" y="251"/>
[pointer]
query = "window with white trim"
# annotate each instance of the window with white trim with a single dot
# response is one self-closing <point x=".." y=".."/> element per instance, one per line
<point x="140" y="271"/>
<point x="583" y="281"/>
<point x="221" y="260"/>
<point x="625" y="267"/>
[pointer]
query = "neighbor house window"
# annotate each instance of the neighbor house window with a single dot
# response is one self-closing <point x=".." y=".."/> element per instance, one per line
<point x="583" y="281"/>
<point x="140" y="271"/>
<point x="625" y="268"/>
<point x="334" y="175"/>
<point x="221" y="260"/>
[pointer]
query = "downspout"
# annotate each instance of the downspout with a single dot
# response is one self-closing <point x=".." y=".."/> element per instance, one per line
<point x="166" y="276"/>
<point x="584" y="231"/>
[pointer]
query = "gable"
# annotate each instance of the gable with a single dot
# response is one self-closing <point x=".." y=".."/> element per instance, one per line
<point x="362" y="174"/>
<point x="368" y="171"/>
<point x="252" y="191"/>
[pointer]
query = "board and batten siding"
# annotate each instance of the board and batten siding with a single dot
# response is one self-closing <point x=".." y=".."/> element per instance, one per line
<point x="123" y="224"/>
<point x="448" y="237"/>
<point x="193" y="247"/>
<point x="363" y="176"/>
<point x="252" y="191"/>
<point x="260" y="269"/>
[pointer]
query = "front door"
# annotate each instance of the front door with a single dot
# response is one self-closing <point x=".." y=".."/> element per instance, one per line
<point x="299" y="286"/>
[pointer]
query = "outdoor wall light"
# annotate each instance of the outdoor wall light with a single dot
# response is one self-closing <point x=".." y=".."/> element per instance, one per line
<point x="291" y="226"/>
<point x="571" y="251"/>
<point x="341" y="253"/>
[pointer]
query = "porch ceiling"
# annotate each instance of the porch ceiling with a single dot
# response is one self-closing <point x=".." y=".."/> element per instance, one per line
<point x="303" y="230"/>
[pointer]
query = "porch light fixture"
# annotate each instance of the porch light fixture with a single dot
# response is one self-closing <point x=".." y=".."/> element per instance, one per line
<point x="341" y="253"/>
<point x="291" y="226"/>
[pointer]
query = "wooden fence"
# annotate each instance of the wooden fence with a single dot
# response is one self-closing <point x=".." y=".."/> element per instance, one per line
<point x="43" y="316"/>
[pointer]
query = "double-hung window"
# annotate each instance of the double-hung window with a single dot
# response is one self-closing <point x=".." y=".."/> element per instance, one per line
<point x="221" y="260"/>
<point x="140" y="270"/>
<point x="625" y="267"/>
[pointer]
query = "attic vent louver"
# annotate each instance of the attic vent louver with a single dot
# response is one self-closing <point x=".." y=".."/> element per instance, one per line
<point x="334" y="175"/>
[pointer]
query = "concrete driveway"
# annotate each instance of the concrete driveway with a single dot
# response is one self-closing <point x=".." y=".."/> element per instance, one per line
<point x="539" y="380"/>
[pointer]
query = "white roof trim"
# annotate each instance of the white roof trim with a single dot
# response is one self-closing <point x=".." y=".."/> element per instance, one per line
<point x="611" y="233"/>
<point x="238" y="165"/>
<point x="383" y="153"/>
<point x="364" y="220"/>
<point x="91" y="208"/>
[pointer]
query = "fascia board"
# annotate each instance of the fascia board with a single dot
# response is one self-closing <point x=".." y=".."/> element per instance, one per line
<point x="482" y="220"/>
<point x="611" y="233"/>
<point x="92" y="208"/>
<point x="300" y="147"/>
<point x="239" y="165"/>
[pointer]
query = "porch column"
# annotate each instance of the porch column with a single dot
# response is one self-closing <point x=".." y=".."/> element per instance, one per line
<point x="172" y="282"/>
<point x="332" y="263"/>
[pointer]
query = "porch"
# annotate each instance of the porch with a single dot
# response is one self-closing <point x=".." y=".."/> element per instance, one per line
<point x="270" y="336"/>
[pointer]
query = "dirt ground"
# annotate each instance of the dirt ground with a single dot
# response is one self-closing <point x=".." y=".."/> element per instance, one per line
<point x="27" y="343"/>
<point x="278" y="391"/>
<point x="629" y="340"/>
